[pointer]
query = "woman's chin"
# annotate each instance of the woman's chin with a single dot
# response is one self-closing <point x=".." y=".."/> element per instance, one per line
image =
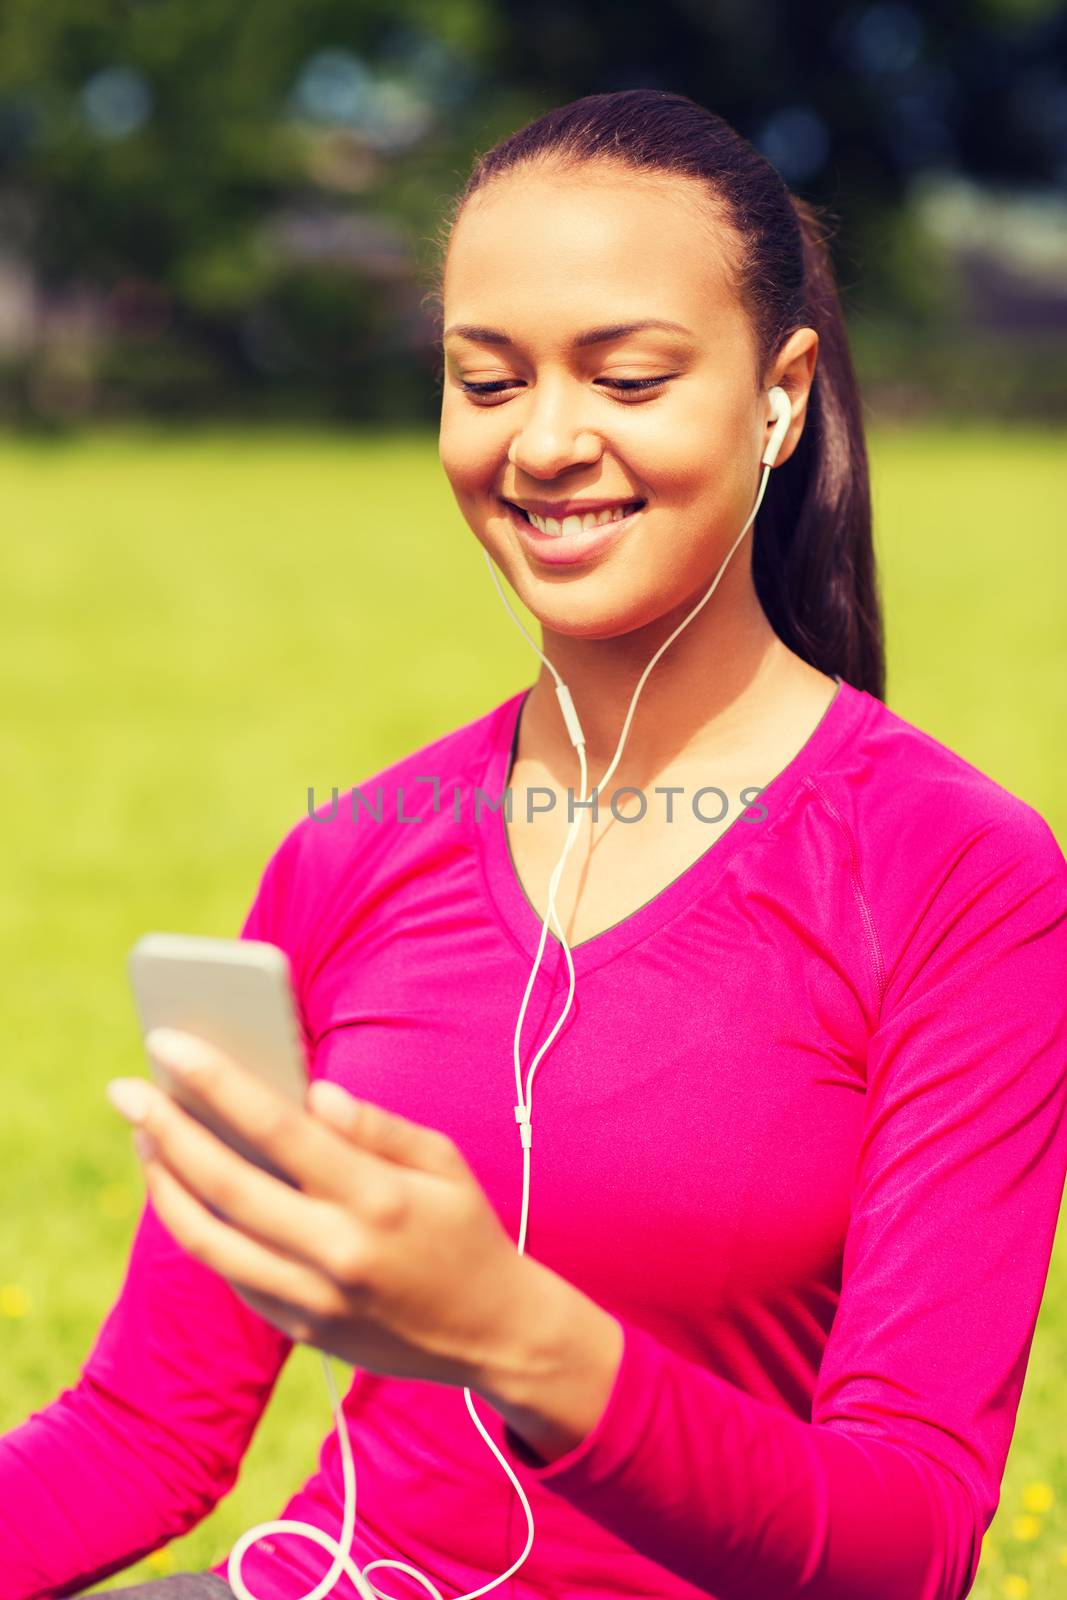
<point x="590" y="609"/>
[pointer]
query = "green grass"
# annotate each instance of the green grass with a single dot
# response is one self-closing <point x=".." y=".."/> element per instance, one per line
<point x="195" y="628"/>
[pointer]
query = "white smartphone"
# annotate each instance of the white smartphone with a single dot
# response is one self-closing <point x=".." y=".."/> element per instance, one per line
<point x="234" y="993"/>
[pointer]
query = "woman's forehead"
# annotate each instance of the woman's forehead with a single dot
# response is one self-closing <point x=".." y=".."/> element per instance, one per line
<point x="586" y="253"/>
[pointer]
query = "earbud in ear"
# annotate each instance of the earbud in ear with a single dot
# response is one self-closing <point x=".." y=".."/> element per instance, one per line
<point x="783" y="416"/>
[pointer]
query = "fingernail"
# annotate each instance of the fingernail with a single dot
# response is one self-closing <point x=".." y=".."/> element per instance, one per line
<point x="144" y="1144"/>
<point x="131" y="1097"/>
<point x="177" y="1049"/>
<point x="336" y="1102"/>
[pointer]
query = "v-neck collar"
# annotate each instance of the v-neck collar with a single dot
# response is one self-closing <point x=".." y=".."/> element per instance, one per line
<point x="522" y="923"/>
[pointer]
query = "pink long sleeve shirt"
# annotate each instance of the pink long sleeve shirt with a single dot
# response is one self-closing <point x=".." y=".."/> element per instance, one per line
<point x="804" y="1135"/>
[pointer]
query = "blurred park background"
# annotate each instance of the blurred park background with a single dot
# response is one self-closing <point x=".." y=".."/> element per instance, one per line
<point x="210" y="208"/>
<point x="232" y="568"/>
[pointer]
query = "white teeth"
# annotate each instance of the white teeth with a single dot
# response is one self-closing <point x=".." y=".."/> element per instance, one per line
<point x="576" y="524"/>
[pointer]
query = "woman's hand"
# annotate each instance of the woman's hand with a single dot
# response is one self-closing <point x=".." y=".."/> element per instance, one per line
<point x="388" y="1255"/>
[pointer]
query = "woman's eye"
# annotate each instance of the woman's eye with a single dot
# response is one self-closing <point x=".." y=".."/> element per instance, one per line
<point x="498" y="385"/>
<point x="484" y="388"/>
<point x="636" y="383"/>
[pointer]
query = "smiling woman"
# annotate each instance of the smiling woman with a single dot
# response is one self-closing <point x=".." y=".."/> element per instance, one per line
<point x="800" y="1146"/>
<point x="658" y="412"/>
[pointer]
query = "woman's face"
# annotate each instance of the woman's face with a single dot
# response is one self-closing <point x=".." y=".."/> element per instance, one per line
<point x="544" y="260"/>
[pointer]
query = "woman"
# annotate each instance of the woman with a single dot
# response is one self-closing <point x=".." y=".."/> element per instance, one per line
<point x="799" y="1146"/>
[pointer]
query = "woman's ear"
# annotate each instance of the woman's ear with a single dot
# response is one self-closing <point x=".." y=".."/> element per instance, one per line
<point x="794" y="371"/>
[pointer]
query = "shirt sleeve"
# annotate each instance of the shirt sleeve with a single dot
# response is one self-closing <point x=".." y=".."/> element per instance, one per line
<point x="150" y="1437"/>
<point x="887" y="1490"/>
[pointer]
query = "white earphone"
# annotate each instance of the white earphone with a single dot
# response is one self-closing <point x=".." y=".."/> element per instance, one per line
<point x="783" y="416"/>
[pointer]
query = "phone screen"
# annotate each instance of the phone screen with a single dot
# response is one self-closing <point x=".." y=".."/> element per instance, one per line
<point x="234" y="993"/>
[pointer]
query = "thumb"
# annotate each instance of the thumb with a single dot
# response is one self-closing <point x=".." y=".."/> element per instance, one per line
<point x="334" y="1104"/>
<point x="384" y="1133"/>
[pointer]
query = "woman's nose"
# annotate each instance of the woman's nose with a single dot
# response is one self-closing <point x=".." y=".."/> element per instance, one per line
<point x="552" y="430"/>
<point x="548" y="442"/>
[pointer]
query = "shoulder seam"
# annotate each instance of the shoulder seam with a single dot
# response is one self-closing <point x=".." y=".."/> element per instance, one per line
<point x="874" y="947"/>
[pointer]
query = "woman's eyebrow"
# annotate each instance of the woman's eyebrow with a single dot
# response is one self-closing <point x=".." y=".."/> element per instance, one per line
<point x="615" y="330"/>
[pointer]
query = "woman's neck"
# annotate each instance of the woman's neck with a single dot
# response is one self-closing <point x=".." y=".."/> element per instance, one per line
<point x="701" y="701"/>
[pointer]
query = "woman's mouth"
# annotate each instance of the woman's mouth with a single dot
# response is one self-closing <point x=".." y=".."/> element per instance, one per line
<point x="569" y="542"/>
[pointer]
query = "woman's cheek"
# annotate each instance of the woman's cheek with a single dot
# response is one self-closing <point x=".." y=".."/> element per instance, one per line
<point x="677" y="443"/>
<point x="467" y="451"/>
<point x="703" y="463"/>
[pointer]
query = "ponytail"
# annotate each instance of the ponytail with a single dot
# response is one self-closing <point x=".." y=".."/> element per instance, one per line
<point x="813" y="558"/>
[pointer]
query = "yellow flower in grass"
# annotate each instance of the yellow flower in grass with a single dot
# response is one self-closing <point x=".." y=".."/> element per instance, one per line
<point x="1038" y="1496"/>
<point x="161" y="1560"/>
<point x="14" y="1300"/>
<point x="1025" y="1526"/>
<point x="1015" y="1586"/>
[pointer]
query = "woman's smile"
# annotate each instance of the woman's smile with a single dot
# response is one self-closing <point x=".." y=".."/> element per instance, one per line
<point x="574" y="543"/>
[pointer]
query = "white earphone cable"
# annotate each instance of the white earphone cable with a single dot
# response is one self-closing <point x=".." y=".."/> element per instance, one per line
<point x="342" y="1561"/>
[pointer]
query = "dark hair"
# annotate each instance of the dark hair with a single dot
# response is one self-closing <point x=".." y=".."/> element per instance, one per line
<point x="813" y="558"/>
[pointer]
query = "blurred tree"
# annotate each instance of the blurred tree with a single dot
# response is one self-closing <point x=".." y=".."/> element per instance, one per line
<point x="230" y="205"/>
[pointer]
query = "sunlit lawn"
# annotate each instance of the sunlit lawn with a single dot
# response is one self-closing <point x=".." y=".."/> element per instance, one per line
<point x="195" y="629"/>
